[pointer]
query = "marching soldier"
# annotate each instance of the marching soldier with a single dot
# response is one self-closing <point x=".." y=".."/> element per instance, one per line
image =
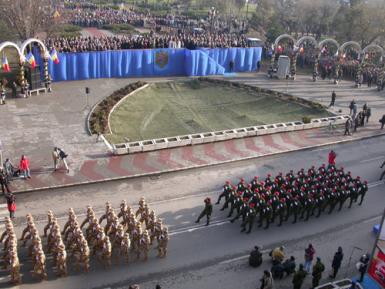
<point x="82" y="256"/>
<point x="106" y="252"/>
<point x="141" y="208"/>
<point x="162" y="243"/>
<point x="207" y="211"/>
<point x="39" y="265"/>
<point x="61" y="261"/>
<point x="250" y="218"/>
<point x="362" y="191"/>
<point x="144" y="246"/>
<point x="89" y="217"/>
<point x="50" y="222"/>
<point x="226" y="193"/>
<point x="27" y="230"/>
<point x="15" y="268"/>
<point x="265" y="214"/>
<point x="243" y="210"/>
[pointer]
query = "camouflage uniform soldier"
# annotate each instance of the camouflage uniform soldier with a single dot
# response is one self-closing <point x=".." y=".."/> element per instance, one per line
<point x="162" y="243"/>
<point x="27" y="230"/>
<point x="15" y="268"/>
<point x="144" y="246"/>
<point x="89" y="217"/>
<point x="61" y="261"/>
<point x="82" y="256"/>
<point x="141" y="208"/>
<point x="50" y="222"/>
<point x="39" y="265"/>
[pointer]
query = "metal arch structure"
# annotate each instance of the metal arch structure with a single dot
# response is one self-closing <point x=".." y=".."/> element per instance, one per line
<point x="328" y="40"/>
<point x="34" y="40"/>
<point x="374" y="46"/>
<point x="297" y="45"/>
<point x="306" y="38"/>
<point x="283" y="36"/>
<point x="10" y="44"/>
<point x="350" y="43"/>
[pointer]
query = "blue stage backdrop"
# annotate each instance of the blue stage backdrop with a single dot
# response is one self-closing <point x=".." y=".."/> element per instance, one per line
<point x="152" y="62"/>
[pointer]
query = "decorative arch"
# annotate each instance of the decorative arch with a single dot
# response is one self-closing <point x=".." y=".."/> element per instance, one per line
<point x="305" y="38"/>
<point x="283" y="36"/>
<point x="34" y="40"/>
<point x="10" y="44"/>
<point x="374" y="46"/>
<point x="350" y="43"/>
<point x="329" y="40"/>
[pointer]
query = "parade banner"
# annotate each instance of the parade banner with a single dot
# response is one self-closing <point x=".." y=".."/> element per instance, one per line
<point x="377" y="265"/>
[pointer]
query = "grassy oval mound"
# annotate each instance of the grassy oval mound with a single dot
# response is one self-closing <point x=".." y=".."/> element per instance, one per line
<point x="182" y="107"/>
<point x="98" y="121"/>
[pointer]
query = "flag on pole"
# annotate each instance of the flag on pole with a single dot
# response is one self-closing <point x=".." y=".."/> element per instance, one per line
<point x="31" y="60"/>
<point x="6" y="67"/>
<point x="55" y="57"/>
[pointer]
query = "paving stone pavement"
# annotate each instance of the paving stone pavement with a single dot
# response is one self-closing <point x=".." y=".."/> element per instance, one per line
<point x="33" y="126"/>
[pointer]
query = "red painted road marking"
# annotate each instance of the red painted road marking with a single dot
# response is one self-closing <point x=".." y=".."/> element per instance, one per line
<point x="230" y="146"/>
<point x="250" y="145"/>
<point x="188" y="154"/>
<point x="114" y="165"/>
<point x="139" y="161"/>
<point x="61" y="176"/>
<point x="88" y="170"/>
<point x="165" y="158"/>
<point x="287" y="139"/>
<point x="268" y="140"/>
<point x="305" y="136"/>
<point x="210" y="151"/>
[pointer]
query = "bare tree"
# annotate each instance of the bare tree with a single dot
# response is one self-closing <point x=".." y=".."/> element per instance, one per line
<point x="27" y="17"/>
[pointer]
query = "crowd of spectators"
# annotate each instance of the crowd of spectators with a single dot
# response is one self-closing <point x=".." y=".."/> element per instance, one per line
<point x="182" y="40"/>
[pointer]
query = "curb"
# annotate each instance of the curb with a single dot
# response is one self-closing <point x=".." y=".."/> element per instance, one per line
<point x="196" y="166"/>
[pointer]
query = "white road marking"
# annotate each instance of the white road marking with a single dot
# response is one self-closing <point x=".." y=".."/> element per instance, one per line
<point x="372" y="219"/>
<point x="321" y="149"/>
<point x="372" y="159"/>
<point x="375" y="184"/>
<point x="242" y="257"/>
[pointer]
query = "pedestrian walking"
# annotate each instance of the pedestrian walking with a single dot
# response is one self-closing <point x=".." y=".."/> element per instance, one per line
<point x="337" y="260"/>
<point x="4" y="181"/>
<point x="356" y="123"/>
<point x="382" y="121"/>
<point x="207" y="211"/>
<point x="354" y="111"/>
<point x="348" y="124"/>
<point x="318" y="268"/>
<point x="331" y="160"/>
<point x="267" y="281"/>
<point x="309" y="256"/>
<point x="299" y="277"/>
<point x="58" y="156"/>
<point x="332" y="102"/>
<point x="24" y="167"/>
<point x="11" y="203"/>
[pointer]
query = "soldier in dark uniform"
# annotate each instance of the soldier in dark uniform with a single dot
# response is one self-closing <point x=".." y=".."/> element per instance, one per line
<point x="231" y="198"/>
<point x="308" y="206"/>
<point x="243" y="211"/>
<point x="319" y="203"/>
<point x="362" y="191"/>
<point x="235" y="205"/>
<point x="226" y="193"/>
<point x="293" y="208"/>
<point x="332" y="200"/>
<point x="207" y="211"/>
<point x="265" y="214"/>
<point x="344" y="195"/>
<point x="250" y="218"/>
<point x="353" y="195"/>
<point x="281" y="210"/>
<point x="241" y="186"/>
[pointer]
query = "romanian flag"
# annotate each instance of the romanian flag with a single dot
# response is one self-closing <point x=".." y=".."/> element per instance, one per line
<point x="6" y="67"/>
<point x="55" y="57"/>
<point x="31" y="60"/>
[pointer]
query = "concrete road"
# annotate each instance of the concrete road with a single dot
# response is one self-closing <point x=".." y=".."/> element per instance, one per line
<point x="177" y="198"/>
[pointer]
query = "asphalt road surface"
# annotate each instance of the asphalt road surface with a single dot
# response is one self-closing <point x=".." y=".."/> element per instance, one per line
<point x="195" y="250"/>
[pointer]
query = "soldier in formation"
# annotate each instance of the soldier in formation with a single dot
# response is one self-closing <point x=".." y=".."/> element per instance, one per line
<point x="298" y="196"/>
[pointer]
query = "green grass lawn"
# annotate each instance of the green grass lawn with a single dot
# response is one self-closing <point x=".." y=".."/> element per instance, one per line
<point x="188" y="107"/>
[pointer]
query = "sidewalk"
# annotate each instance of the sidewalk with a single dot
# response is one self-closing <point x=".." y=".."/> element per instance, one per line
<point x="100" y="168"/>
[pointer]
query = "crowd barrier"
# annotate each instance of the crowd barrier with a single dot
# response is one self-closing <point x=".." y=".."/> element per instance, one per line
<point x="152" y="62"/>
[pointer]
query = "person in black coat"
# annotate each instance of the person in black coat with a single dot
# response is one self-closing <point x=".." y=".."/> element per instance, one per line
<point x="337" y="260"/>
<point x="289" y="265"/>
<point x="255" y="259"/>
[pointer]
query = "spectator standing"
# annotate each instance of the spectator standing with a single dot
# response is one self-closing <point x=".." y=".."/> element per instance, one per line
<point x="337" y="260"/>
<point x="24" y="167"/>
<point x="4" y="181"/>
<point x="318" y="268"/>
<point x="309" y="256"/>
<point x="363" y="265"/>
<point x="11" y="203"/>
<point x="9" y="168"/>
<point x="368" y="114"/>
<point x="267" y="280"/>
<point x="255" y="259"/>
<point x="348" y="124"/>
<point x="299" y="277"/>
<point x="332" y="102"/>
<point x="382" y="121"/>
<point x="351" y="106"/>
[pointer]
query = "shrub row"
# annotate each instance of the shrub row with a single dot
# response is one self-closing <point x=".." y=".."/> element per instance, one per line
<point x="99" y="117"/>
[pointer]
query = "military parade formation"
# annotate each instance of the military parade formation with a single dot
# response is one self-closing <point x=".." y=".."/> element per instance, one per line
<point x="308" y="193"/>
<point x="127" y="234"/>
